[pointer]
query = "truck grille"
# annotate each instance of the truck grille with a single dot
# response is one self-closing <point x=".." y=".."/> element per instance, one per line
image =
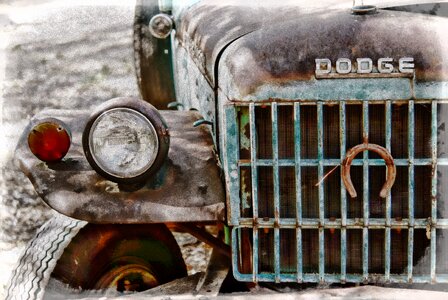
<point x="293" y="218"/>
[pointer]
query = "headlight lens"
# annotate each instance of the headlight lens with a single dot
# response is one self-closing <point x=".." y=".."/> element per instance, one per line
<point x="123" y="142"/>
<point x="126" y="140"/>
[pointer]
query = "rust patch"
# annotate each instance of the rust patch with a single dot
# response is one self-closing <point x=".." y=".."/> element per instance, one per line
<point x="286" y="51"/>
<point x="351" y="154"/>
<point x="187" y="188"/>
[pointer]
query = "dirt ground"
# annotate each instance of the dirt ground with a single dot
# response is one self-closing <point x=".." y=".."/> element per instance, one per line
<point x="58" y="54"/>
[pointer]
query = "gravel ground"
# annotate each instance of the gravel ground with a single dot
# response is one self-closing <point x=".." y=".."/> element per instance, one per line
<point x="54" y="54"/>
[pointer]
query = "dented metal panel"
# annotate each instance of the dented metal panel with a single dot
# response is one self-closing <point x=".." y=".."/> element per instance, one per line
<point x="187" y="188"/>
<point x="192" y="89"/>
<point x="279" y="61"/>
<point x="207" y="27"/>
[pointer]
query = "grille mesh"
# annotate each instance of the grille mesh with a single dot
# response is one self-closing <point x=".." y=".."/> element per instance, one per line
<point x="293" y="219"/>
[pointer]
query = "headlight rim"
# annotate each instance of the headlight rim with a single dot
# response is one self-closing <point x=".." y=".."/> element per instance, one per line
<point x="154" y="117"/>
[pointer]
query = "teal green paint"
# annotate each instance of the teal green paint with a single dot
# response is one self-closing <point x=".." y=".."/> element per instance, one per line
<point x="387" y="244"/>
<point x="411" y="184"/>
<point x="342" y="137"/>
<point x="230" y="168"/>
<point x="344" y="224"/>
<point x="330" y="89"/>
<point x="227" y="235"/>
<point x="433" y="188"/>
<point x="431" y="90"/>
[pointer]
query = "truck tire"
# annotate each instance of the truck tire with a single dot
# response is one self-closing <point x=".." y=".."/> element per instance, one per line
<point x="34" y="268"/>
<point x="76" y="259"/>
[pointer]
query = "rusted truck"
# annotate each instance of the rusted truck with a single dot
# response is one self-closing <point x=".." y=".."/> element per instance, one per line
<point x="311" y="134"/>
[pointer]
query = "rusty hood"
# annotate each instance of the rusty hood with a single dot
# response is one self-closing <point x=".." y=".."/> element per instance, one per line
<point x="284" y="53"/>
<point x="282" y="36"/>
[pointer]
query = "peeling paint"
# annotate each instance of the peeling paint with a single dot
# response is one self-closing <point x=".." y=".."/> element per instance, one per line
<point x="78" y="191"/>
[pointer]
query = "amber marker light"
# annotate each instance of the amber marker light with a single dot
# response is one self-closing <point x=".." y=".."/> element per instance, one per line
<point x="49" y="140"/>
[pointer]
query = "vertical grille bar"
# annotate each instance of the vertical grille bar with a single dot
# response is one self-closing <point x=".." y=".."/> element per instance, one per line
<point x="320" y="156"/>
<point x="388" y="116"/>
<point x="297" y="146"/>
<point x="231" y="161"/>
<point x="270" y="256"/>
<point x="253" y="161"/>
<point x="365" y="175"/>
<point x="433" y="187"/>
<point x="411" y="134"/>
<point x="274" y="119"/>
<point x="343" y="194"/>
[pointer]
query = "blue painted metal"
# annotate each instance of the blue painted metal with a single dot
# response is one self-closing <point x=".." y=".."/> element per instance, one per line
<point x="365" y="196"/>
<point x="320" y="172"/>
<point x="431" y="90"/>
<point x="342" y="150"/>
<point x="411" y="133"/>
<point x="230" y="162"/>
<point x="299" y="255"/>
<point x="352" y="223"/>
<point x="433" y="188"/>
<point x="433" y="256"/>
<point x="337" y="162"/>
<point x="274" y="119"/>
<point x="298" y="178"/>
<point x="388" y="116"/>
<point x="254" y="172"/>
<point x="331" y="89"/>
<point x="277" y="224"/>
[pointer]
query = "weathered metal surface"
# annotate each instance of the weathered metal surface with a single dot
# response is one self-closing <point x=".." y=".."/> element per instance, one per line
<point x="202" y="285"/>
<point x="389" y="160"/>
<point x="416" y="266"/>
<point x="161" y="26"/>
<point x="187" y="188"/>
<point x="436" y="8"/>
<point x="202" y="235"/>
<point x="207" y="27"/>
<point x="153" y="65"/>
<point x="279" y="61"/>
<point x="193" y="91"/>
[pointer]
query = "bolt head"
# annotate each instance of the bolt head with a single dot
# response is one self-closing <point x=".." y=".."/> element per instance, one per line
<point x="161" y="26"/>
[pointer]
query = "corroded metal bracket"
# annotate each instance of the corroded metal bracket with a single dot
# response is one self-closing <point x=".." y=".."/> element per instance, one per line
<point x="381" y="151"/>
<point x="152" y="56"/>
<point x="188" y="187"/>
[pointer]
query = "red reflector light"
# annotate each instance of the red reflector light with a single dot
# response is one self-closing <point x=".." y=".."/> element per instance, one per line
<point x="49" y="141"/>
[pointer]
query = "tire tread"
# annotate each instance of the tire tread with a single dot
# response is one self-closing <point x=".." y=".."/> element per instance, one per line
<point x="33" y="270"/>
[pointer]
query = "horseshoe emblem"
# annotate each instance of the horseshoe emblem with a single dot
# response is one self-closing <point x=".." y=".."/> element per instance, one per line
<point x="351" y="154"/>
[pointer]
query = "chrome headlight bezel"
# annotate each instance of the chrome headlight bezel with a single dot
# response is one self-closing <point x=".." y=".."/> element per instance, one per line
<point x="156" y="125"/>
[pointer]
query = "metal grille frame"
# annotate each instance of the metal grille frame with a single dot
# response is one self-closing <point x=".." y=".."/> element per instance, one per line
<point x="233" y="164"/>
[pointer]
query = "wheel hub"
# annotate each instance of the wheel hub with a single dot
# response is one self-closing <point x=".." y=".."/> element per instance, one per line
<point x="128" y="278"/>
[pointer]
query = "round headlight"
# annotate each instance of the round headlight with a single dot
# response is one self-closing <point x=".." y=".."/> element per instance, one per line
<point x="126" y="140"/>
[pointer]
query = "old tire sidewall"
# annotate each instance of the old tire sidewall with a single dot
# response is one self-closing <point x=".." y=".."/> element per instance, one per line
<point x="36" y="263"/>
<point x="97" y="249"/>
<point x="59" y="252"/>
